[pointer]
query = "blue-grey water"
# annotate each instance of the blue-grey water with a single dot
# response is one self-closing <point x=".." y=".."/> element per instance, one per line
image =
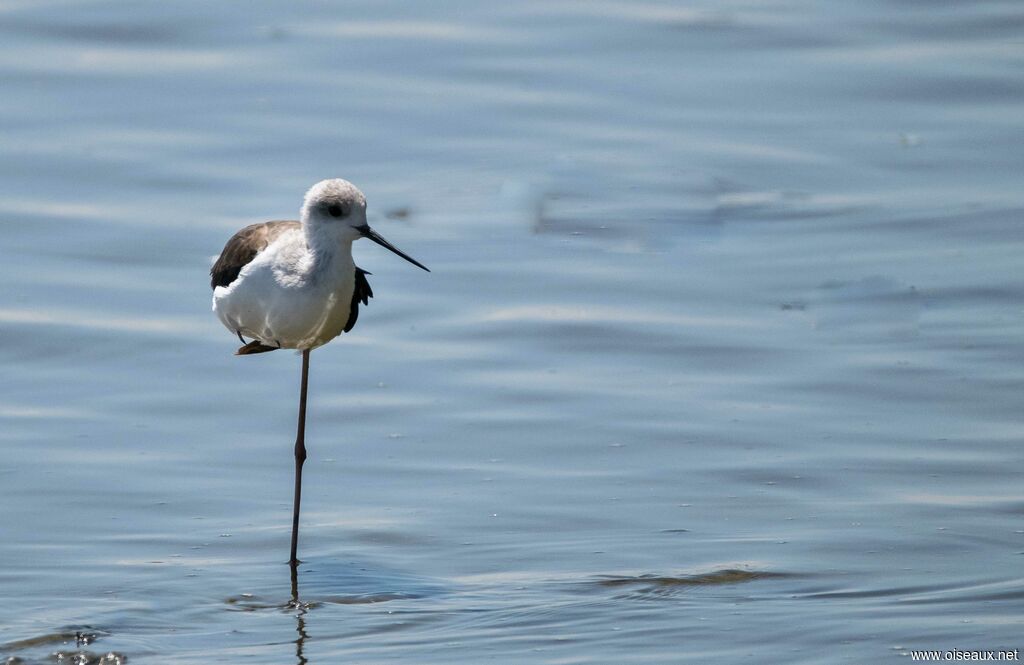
<point x="721" y="358"/>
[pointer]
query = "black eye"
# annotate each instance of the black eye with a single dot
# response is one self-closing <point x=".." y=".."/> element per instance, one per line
<point x="335" y="210"/>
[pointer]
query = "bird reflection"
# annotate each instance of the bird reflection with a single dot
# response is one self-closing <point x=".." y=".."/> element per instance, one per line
<point x="300" y="617"/>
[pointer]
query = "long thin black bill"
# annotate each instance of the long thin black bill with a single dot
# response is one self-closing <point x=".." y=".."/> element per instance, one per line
<point x="379" y="239"/>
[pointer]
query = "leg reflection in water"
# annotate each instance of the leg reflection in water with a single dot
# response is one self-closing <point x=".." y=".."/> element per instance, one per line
<point x="300" y="616"/>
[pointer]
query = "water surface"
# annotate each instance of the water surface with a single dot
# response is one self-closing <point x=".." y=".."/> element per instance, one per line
<point x="720" y="357"/>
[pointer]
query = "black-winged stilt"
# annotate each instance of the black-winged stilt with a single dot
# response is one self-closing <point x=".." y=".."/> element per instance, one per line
<point x="294" y="285"/>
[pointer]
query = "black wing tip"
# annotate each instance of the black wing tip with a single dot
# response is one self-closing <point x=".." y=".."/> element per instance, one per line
<point x="361" y="293"/>
<point x="352" y="318"/>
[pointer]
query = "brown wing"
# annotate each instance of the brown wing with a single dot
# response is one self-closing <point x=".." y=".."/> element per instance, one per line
<point x="243" y="247"/>
<point x="360" y="294"/>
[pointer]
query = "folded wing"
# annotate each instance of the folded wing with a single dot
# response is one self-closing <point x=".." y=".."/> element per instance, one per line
<point x="243" y="248"/>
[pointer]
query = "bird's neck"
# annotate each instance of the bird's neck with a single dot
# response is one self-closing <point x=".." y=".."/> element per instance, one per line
<point x="329" y="251"/>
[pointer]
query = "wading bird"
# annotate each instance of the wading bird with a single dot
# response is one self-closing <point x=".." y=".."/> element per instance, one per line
<point x="294" y="285"/>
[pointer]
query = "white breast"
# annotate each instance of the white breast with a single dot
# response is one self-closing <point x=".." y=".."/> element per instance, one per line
<point x="288" y="296"/>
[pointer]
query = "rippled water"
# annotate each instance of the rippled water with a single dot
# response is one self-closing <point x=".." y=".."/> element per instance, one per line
<point x="720" y="357"/>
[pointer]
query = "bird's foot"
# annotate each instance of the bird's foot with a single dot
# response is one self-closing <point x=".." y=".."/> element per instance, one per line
<point x="255" y="346"/>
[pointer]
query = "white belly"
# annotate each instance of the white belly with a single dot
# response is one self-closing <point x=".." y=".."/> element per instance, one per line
<point x="281" y="300"/>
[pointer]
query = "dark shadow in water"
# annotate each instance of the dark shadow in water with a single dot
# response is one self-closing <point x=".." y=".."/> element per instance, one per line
<point x="728" y="576"/>
<point x="665" y="585"/>
<point x="82" y="637"/>
<point x="43" y="644"/>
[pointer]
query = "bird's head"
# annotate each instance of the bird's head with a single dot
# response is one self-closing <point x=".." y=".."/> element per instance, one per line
<point x="335" y="204"/>
<point x="336" y="207"/>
